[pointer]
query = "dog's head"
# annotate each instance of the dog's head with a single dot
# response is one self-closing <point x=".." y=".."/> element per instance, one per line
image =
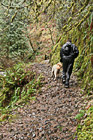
<point x="59" y="64"/>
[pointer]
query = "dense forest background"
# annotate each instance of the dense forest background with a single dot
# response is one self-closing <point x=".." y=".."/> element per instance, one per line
<point x="35" y="30"/>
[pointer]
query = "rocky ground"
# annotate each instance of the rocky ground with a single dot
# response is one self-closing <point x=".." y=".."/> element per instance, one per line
<point x="51" y="116"/>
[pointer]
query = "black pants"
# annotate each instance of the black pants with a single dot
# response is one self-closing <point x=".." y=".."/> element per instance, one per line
<point x="67" y="70"/>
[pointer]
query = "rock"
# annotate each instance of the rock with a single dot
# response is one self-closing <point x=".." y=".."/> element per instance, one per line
<point x="33" y="135"/>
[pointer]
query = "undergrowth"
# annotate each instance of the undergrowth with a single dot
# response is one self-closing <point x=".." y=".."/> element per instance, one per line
<point x="85" y="127"/>
<point x="19" y="85"/>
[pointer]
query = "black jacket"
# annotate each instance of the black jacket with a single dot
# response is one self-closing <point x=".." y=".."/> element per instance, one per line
<point x="68" y="52"/>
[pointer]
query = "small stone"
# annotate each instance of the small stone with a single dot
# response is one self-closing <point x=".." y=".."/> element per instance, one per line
<point x="33" y="113"/>
<point x="31" y="130"/>
<point x="22" y="138"/>
<point x="40" y="129"/>
<point x="33" y="135"/>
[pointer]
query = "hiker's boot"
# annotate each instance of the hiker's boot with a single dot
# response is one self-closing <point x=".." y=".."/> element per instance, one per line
<point x="63" y="81"/>
<point x="67" y="84"/>
<point x="63" y="77"/>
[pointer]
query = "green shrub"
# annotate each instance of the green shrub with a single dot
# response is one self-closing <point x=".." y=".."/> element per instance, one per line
<point x="85" y="131"/>
<point x="14" y="40"/>
<point x="18" y="84"/>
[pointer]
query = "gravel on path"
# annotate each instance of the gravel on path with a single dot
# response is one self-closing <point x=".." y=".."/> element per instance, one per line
<point x="51" y="116"/>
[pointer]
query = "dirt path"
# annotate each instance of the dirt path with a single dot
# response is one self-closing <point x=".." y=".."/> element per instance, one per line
<point x="51" y="116"/>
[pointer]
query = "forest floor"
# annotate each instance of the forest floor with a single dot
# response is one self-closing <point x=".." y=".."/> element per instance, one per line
<point x="51" y="116"/>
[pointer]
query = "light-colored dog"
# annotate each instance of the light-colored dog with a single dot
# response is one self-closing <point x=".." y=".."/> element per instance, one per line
<point x="55" y="70"/>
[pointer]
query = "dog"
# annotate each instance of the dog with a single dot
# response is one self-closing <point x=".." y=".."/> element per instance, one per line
<point x="55" y="70"/>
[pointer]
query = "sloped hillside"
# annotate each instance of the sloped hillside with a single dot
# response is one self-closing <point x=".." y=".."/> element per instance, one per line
<point x="83" y="68"/>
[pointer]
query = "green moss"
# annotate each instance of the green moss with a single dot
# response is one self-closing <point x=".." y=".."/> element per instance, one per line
<point x="69" y="19"/>
<point x="56" y="54"/>
<point x="65" y="27"/>
<point x="84" y="132"/>
<point x="83" y="19"/>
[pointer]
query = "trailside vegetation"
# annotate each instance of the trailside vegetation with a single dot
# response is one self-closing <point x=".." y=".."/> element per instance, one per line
<point x="18" y="85"/>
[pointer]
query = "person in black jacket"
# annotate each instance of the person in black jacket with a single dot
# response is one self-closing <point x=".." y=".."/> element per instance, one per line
<point x="68" y="53"/>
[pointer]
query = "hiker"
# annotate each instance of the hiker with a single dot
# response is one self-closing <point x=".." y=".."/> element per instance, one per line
<point x="68" y="53"/>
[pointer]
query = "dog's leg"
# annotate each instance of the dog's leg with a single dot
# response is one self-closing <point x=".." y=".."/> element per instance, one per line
<point x="58" y="73"/>
<point x="52" y="73"/>
<point x="55" y="73"/>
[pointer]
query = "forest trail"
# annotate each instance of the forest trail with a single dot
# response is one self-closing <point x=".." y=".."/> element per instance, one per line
<point x="51" y="116"/>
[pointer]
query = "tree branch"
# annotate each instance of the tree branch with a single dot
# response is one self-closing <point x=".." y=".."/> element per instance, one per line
<point x="17" y="7"/>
